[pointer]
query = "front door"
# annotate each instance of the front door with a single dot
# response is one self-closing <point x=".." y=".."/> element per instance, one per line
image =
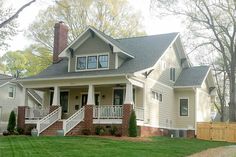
<point x="64" y="101"/>
<point x="85" y="97"/>
<point x="118" y="96"/>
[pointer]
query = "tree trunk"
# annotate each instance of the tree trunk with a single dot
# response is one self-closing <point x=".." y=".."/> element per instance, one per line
<point x="232" y="93"/>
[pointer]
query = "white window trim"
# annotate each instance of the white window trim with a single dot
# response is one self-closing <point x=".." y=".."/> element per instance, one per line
<point x="14" y="91"/>
<point x="179" y="106"/>
<point x="64" y="90"/>
<point x="134" y="93"/>
<point x="96" y="54"/>
<point x="157" y="92"/>
<point x="83" y="93"/>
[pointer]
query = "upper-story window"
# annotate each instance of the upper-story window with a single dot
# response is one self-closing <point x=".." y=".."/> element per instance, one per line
<point x="92" y="62"/>
<point x="11" y="92"/>
<point x="172" y="74"/>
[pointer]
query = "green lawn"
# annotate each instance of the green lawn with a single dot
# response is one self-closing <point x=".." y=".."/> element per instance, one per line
<point x="26" y="146"/>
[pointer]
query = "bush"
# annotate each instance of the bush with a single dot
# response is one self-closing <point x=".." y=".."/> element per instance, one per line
<point x="99" y="130"/>
<point x="86" y="132"/>
<point x="132" y="125"/>
<point x="113" y="130"/>
<point x="11" y="122"/>
<point x="20" y="131"/>
<point x="6" y="133"/>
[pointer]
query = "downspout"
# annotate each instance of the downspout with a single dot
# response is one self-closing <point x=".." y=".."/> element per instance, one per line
<point x="196" y="105"/>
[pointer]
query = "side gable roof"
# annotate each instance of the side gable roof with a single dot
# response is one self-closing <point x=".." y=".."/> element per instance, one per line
<point x="4" y="79"/>
<point x="192" y="76"/>
<point x="146" y="49"/>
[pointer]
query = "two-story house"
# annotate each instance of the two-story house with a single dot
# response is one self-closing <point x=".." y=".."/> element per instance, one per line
<point x="98" y="80"/>
<point x="11" y="97"/>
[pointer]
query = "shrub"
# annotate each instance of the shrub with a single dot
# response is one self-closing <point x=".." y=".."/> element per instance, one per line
<point x="132" y="125"/>
<point x="11" y="122"/>
<point x="6" y="133"/>
<point x="99" y="130"/>
<point x="20" y="130"/>
<point x="113" y="130"/>
<point x="86" y="132"/>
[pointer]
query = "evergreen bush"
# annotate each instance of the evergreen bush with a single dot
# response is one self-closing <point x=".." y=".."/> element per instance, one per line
<point x="11" y="122"/>
<point x="132" y="125"/>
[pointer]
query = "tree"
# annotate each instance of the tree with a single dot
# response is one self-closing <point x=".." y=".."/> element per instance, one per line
<point x="114" y="18"/>
<point x="11" y="122"/>
<point x="132" y="125"/>
<point x="28" y="62"/>
<point x="214" y="23"/>
<point x="8" y="25"/>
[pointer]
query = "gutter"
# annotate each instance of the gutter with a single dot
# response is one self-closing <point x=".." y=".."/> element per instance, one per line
<point x="73" y="77"/>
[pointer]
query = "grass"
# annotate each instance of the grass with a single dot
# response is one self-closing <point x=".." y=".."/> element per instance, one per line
<point x="26" y="146"/>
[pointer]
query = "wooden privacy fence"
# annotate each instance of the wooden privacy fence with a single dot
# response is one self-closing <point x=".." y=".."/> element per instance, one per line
<point x="219" y="131"/>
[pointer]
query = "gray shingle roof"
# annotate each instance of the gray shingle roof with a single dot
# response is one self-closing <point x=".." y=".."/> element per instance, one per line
<point x="4" y="79"/>
<point x="146" y="50"/>
<point x="192" y="76"/>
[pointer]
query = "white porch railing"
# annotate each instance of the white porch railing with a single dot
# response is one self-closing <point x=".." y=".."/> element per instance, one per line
<point x="35" y="114"/>
<point x="71" y="122"/>
<point x="139" y="113"/>
<point x="108" y="112"/>
<point x="48" y="120"/>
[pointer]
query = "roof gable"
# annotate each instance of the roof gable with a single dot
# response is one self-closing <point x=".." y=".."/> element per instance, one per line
<point x="90" y="31"/>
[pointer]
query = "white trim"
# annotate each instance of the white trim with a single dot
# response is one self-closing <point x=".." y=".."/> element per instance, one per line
<point x="205" y="77"/>
<point x="73" y="77"/>
<point x="179" y="106"/>
<point x="86" y="93"/>
<point x="107" y="121"/>
<point x="13" y="86"/>
<point x="92" y="55"/>
<point x="100" y="36"/>
<point x="123" y="88"/>
<point x="197" y="86"/>
<point x="196" y="106"/>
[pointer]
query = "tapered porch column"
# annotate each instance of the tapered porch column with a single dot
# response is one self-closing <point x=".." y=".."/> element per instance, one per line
<point x="21" y="109"/>
<point x="127" y="108"/>
<point x="88" y="109"/>
<point x="56" y="99"/>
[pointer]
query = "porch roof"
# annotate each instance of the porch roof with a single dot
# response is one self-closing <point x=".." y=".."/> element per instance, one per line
<point x="146" y="49"/>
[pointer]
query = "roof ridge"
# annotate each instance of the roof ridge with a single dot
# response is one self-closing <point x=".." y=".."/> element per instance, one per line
<point x="143" y="36"/>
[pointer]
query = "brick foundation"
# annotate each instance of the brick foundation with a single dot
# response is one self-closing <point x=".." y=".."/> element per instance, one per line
<point x="88" y="117"/>
<point x="127" y="109"/>
<point x="190" y="133"/>
<point x="21" y="117"/>
<point x="52" y="130"/>
<point x="77" y="130"/>
<point x="28" y="128"/>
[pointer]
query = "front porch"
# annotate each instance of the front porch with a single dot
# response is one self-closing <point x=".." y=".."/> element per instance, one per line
<point x="94" y="105"/>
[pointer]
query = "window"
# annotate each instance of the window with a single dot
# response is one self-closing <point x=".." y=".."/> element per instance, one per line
<point x="81" y="63"/>
<point x="172" y="74"/>
<point x="103" y="61"/>
<point x="157" y="96"/>
<point x="183" y="107"/>
<point x="92" y="62"/>
<point x="160" y="97"/>
<point x="11" y="92"/>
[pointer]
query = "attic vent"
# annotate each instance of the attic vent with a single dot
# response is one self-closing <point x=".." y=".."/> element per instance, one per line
<point x="92" y="33"/>
<point x="71" y="52"/>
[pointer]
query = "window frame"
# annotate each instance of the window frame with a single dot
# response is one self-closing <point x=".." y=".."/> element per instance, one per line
<point x="172" y="74"/>
<point x="180" y="113"/>
<point x="87" y="63"/>
<point x="156" y="96"/>
<point x="76" y="64"/>
<point x="91" y="55"/>
<point x="13" y="91"/>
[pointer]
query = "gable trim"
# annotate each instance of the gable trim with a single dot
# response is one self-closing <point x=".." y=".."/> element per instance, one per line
<point x="116" y="49"/>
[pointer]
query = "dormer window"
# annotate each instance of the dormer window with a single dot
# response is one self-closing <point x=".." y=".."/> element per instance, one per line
<point x="92" y="62"/>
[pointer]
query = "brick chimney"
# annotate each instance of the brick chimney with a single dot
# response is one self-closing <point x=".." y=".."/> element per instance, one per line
<point x="60" y="40"/>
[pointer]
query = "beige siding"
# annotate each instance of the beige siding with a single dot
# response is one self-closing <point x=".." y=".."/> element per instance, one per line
<point x="162" y="73"/>
<point x="185" y="121"/>
<point x="160" y="113"/>
<point x="93" y="46"/>
<point x="203" y="106"/>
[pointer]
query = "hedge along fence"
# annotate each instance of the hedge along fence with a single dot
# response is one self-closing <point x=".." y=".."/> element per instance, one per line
<point x="219" y="131"/>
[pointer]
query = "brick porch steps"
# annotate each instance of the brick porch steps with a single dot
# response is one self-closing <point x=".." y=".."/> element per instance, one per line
<point x="77" y="130"/>
<point x="52" y="130"/>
